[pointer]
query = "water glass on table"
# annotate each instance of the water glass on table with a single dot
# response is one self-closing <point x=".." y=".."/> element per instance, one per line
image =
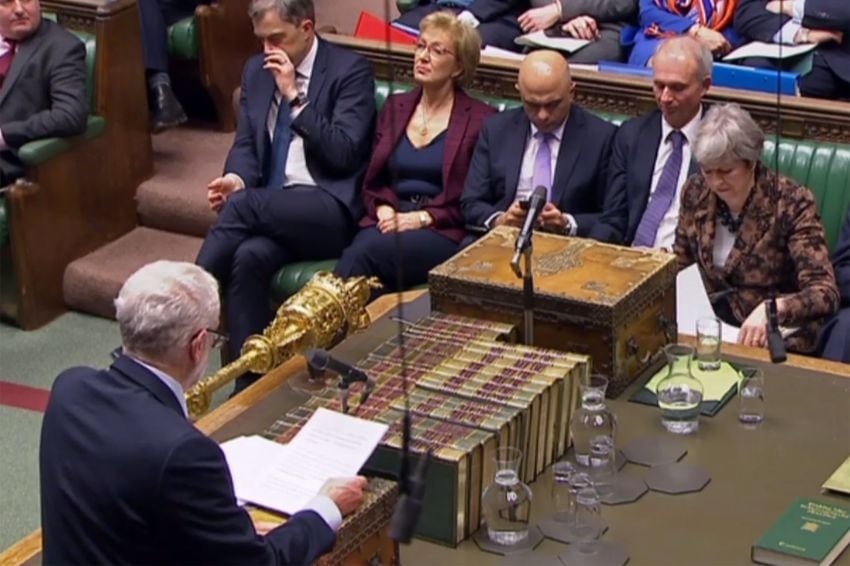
<point x="751" y="398"/>
<point x="709" y="338"/>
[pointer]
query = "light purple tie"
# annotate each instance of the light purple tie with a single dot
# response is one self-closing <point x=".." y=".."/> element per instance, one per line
<point x="662" y="198"/>
<point x="543" y="164"/>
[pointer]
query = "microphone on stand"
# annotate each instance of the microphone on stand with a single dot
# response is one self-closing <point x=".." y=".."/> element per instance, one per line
<point x="319" y="360"/>
<point x="775" y="342"/>
<point x="536" y="202"/>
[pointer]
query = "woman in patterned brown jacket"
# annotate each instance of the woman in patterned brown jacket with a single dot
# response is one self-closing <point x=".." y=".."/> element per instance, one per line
<point x="753" y="233"/>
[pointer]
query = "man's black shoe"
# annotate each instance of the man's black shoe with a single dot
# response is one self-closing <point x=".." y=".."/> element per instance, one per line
<point x="166" y="111"/>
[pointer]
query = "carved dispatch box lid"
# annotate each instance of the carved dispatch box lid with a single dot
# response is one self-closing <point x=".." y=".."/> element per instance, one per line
<point x="590" y="277"/>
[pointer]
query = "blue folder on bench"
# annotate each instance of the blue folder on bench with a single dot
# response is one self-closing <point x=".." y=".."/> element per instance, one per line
<point x="725" y="75"/>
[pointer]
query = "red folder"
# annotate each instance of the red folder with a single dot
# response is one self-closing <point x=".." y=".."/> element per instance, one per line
<point x="370" y="26"/>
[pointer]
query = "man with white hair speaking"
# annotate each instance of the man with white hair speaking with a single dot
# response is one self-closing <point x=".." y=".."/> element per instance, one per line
<point x="126" y="478"/>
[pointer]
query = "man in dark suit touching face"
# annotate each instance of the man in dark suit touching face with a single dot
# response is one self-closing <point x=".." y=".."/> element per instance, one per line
<point x="42" y="82"/>
<point x="564" y="148"/>
<point x="291" y="184"/>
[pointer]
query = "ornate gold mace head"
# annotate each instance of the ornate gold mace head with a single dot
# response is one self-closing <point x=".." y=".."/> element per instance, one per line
<point x="326" y="310"/>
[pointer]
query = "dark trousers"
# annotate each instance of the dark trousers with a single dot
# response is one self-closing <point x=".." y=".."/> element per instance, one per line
<point x="156" y="16"/>
<point x="820" y="82"/>
<point x="400" y="260"/>
<point x="259" y="231"/>
<point x="834" y="339"/>
<point x="500" y="32"/>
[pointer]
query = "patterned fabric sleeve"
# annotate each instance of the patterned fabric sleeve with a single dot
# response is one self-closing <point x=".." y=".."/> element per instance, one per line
<point x="685" y="242"/>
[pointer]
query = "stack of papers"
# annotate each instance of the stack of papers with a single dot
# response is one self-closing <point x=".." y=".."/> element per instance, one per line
<point x="540" y="39"/>
<point x="285" y="478"/>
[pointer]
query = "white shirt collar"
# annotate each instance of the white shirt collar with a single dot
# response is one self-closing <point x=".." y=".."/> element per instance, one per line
<point x="558" y="132"/>
<point x="305" y="67"/>
<point x="169" y="382"/>
<point x="689" y="130"/>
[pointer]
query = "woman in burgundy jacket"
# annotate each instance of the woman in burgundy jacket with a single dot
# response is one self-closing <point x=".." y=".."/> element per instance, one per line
<point x="423" y="145"/>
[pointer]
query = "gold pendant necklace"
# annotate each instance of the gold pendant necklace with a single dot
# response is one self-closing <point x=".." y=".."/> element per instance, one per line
<point x="423" y="129"/>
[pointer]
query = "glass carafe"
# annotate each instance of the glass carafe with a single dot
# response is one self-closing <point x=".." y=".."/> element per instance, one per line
<point x="594" y="429"/>
<point x="680" y="393"/>
<point x="506" y="502"/>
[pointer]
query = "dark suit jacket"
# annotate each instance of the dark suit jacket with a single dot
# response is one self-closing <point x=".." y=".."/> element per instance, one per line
<point x="780" y="248"/>
<point x="754" y="22"/>
<point x="465" y="122"/>
<point x="44" y="93"/>
<point x="336" y="125"/>
<point x="841" y="261"/>
<point x="125" y="478"/>
<point x="578" y="187"/>
<point x="633" y="155"/>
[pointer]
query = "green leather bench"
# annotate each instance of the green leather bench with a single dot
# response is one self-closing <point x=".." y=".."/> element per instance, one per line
<point x="823" y="167"/>
<point x="38" y="152"/>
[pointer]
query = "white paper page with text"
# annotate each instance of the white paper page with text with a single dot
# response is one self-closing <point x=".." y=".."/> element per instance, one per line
<point x="331" y="445"/>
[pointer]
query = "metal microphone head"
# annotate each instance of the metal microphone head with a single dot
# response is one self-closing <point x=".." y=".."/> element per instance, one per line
<point x="539" y="193"/>
<point x="318" y="359"/>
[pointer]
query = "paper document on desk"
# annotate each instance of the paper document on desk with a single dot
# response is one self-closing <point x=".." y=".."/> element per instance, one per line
<point x="769" y="50"/>
<point x="692" y="304"/>
<point x="331" y="445"/>
<point x="246" y="456"/>
<point x="490" y="51"/>
<point x="540" y="39"/>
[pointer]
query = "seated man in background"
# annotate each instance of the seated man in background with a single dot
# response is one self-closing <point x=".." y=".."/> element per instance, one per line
<point x="496" y="20"/>
<point x="598" y="21"/>
<point x="834" y="343"/>
<point x="753" y="234"/>
<point x="306" y="118"/>
<point x="126" y="478"/>
<point x="823" y="22"/>
<point x="651" y="157"/>
<point x="42" y="82"/>
<point x="424" y="142"/>
<point x="707" y="21"/>
<point x="550" y="142"/>
<point x="156" y="16"/>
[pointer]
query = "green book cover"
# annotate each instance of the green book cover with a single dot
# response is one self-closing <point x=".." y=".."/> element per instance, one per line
<point x="809" y="532"/>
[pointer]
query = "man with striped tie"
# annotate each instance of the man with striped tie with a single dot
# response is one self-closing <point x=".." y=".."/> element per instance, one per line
<point x="651" y="154"/>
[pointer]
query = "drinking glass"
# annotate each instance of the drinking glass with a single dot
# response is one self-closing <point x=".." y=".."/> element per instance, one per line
<point x="751" y="398"/>
<point x="709" y="337"/>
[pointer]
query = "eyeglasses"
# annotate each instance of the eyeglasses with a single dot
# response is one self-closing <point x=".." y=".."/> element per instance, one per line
<point x="218" y="339"/>
<point x="434" y="49"/>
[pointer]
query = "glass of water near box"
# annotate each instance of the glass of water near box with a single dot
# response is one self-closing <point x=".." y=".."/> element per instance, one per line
<point x="709" y="338"/>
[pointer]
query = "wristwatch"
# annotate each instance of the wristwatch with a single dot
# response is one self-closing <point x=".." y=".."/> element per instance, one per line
<point x="296" y="102"/>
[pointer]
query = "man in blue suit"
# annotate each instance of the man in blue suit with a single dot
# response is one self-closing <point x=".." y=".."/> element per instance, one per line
<point x="834" y="342"/>
<point x="642" y="206"/>
<point x="822" y="22"/>
<point x="549" y="142"/>
<point x="126" y="478"/>
<point x="291" y="188"/>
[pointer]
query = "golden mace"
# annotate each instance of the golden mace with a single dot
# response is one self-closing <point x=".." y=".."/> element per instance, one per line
<point x="326" y="310"/>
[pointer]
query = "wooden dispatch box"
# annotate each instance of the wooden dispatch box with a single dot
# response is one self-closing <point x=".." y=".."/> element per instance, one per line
<point x="614" y="303"/>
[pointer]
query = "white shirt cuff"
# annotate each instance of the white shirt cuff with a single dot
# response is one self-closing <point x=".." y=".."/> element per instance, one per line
<point x="236" y="178"/>
<point x="799" y="10"/>
<point x="573" y="224"/>
<point x="489" y="222"/>
<point x="327" y="510"/>
<point x="787" y="33"/>
<point x="297" y="111"/>
<point x="2" y="142"/>
<point x="467" y="18"/>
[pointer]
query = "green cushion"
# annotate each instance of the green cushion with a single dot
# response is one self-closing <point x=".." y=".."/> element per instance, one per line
<point x="4" y="223"/>
<point x="292" y="277"/>
<point x="822" y="167"/>
<point x="183" y="39"/>
<point x="91" y="58"/>
<point x="38" y="151"/>
<point x="405" y="5"/>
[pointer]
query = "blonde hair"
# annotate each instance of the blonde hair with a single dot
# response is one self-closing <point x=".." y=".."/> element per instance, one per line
<point x="467" y="42"/>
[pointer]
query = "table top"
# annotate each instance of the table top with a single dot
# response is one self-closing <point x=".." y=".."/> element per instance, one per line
<point x="755" y="473"/>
